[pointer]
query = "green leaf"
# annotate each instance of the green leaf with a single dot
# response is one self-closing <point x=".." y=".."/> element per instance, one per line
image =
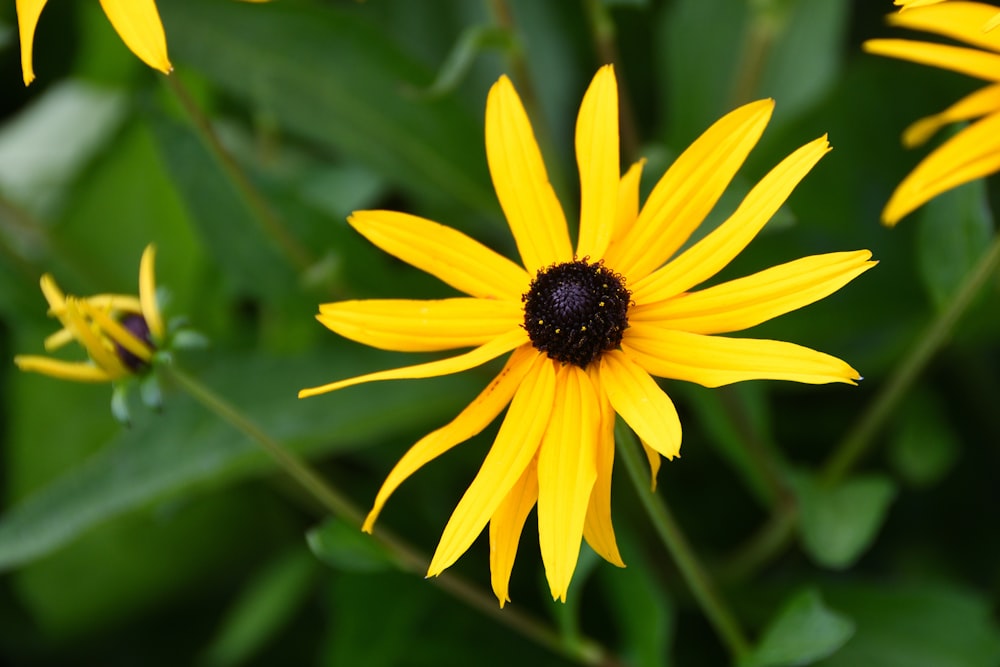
<point x="737" y="421"/>
<point x="924" y="446"/>
<point x="186" y="446"/>
<point x="332" y="78"/>
<point x="473" y="41"/>
<point x="954" y="230"/>
<point x="916" y="625"/>
<point x="837" y="524"/>
<point x="644" y="615"/>
<point x="266" y="605"/>
<point x="803" y="631"/>
<point x="233" y="232"/>
<point x="347" y="548"/>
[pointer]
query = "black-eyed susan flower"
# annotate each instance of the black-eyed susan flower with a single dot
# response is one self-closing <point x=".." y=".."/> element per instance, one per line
<point x="587" y="329"/>
<point x="974" y="152"/>
<point x="123" y="335"/>
<point x="137" y="22"/>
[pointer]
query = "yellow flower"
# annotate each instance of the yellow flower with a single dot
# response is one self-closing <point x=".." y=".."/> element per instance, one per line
<point x="975" y="151"/>
<point x="588" y="329"/>
<point x="119" y="332"/>
<point x="136" y="21"/>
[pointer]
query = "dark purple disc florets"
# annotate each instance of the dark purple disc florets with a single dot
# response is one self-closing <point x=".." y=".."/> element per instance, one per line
<point x="576" y="310"/>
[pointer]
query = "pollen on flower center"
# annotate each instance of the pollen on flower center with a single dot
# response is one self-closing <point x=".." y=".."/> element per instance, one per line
<point x="576" y="310"/>
<point x="136" y="325"/>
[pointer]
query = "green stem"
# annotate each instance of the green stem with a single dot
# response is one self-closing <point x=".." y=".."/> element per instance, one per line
<point x="585" y="652"/>
<point x="704" y="591"/>
<point x="602" y="30"/>
<point x="299" y="256"/>
<point x="859" y="439"/>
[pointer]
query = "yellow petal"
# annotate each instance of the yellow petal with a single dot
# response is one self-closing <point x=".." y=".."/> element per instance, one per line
<point x="115" y="331"/>
<point x="963" y="21"/>
<point x="709" y="255"/>
<point x="628" y="200"/>
<point x="688" y="191"/>
<point x="63" y="370"/>
<point x="422" y="326"/>
<point x="28" y="12"/>
<point x="512" y="451"/>
<point x="533" y="212"/>
<point x="567" y="469"/>
<point x="462" y="362"/>
<point x="599" y="164"/>
<point x="910" y="4"/>
<point x="473" y="419"/>
<point x="58" y="339"/>
<point x="147" y="294"/>
<point x="116" y="303"/>
<point x="653" y="457"/>
<point x="742" y="303"/>
<point x="598" y="529"/>
<point x="973" y="62"/>
<point x="450" y="255"/>
<point x="972" y="153"/>
<point x="138" y="24"/>
<point x="642" y="404"/>
<point x="505" y="530"/>
<point x="713" y="361"/>
<point x="980" y="103"/>
<point x="52" y="294"/>
<point x="95" y="346"/>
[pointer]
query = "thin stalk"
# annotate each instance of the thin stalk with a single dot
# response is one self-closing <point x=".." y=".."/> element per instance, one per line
<point x="298" y="255"/>
<point x="602" y="30"/>
<point x="704" y="591"/>
<point x="585" y="652"/>
<point x="860" y="438"/>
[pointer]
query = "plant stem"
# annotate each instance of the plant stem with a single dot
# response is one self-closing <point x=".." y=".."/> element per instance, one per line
<point x="602" y="30"/>
<point x="298" y="255"/>
<point x="407" y="557"/>
<point x="859" y="439"/>
<point x="704" y="591"/>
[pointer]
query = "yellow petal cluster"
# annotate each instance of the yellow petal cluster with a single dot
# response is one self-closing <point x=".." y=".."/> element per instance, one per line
<point x="975" y="151"/>
<point x="554" y="450"/>
<point x="137" y="22"/>
<point x="95" y="322"/>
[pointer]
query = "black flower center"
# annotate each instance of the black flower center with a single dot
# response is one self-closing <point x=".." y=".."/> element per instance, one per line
<point x="575" y="311"/>
<point x="136" y="325"/>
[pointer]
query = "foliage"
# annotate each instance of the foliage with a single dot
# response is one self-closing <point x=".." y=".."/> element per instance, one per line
<point x="176" y="541"/>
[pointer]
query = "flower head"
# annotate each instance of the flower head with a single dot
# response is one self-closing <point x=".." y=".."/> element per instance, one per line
<point x="975" y="151"/>
<point x="124" y="336"/>
<point x="587" y="328"/>
<point x="136" y="21"/>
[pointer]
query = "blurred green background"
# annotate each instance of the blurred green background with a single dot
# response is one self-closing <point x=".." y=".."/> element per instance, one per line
<point x="176" y="541"/>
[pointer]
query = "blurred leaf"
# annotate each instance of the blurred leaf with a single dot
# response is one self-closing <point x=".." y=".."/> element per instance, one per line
<point x="268" y="603"/>
<point x="347" y="548"/>
<point x="367" y="629"/>
<point x="643" y="614"/>
<point x="954" y="231"/>
<point x="924" y="446"/>
<point x="839" y="523"/>
<point x="738" y="422"/>
<point x="43" y="148"/>
<point x="331" y="77"/>
<point x="803" y="631"/>
<point x="232" y="230"/>
<point x="803" y="60"/>
<point x="916" y="625"/>
<point x="164" y="455"/>
<point x="140" y="560"/>
<point x="471" y="43"/>
<point x="790" y="52"/>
